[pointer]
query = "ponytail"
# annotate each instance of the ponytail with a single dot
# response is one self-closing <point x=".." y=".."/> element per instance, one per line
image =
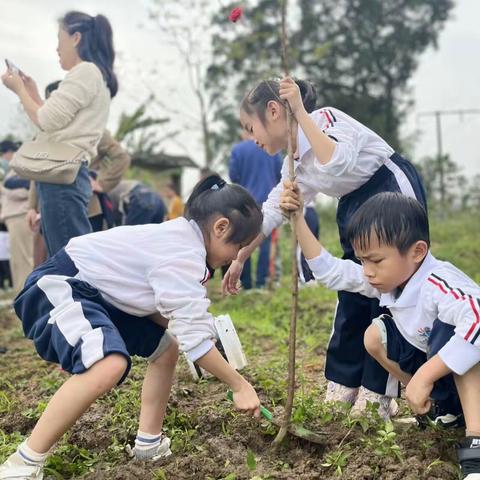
<point x="256" y="100"/>
<point x="96" y="43"/>
<point x="212" y="197"/>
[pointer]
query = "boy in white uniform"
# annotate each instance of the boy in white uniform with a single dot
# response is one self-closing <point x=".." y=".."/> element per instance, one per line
<point x="435" y="307"/>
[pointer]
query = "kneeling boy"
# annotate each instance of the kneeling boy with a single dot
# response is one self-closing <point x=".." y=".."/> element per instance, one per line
<point x="434" y="331"/>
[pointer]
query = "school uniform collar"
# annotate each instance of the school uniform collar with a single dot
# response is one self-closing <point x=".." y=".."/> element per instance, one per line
<point x="409" y="296"/>
<point x="196" y="229"/>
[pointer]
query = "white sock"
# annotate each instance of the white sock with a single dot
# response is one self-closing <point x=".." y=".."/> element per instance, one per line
<point x="146" y="444"/>
<point x="29" y="456"/>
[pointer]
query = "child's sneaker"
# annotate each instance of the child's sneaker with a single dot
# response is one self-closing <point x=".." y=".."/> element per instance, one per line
<point x="387" y="406"/>
<point x="151" y="453"/>
<point x="340" y="393"/>
<point x="441" y="417"/>
<point x="468" y="452"/>
<point x="17" y="468"/>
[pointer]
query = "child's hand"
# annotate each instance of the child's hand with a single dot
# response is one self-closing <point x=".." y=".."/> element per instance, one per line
<point x="231" y="280"/>
<point x="246" y="400"/>
<point x="418" y="394"/>
<point x="290" y="92"/>
<point x="291" y="199"/>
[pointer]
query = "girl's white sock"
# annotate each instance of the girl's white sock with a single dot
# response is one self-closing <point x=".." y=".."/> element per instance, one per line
<point x="30" y="456"/>
<point x="151" y="446"/>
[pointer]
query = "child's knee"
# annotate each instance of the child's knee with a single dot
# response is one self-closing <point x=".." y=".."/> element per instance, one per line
<point x="169" y="357"/>
<point x="108" y="372"/>
<point x="373" y="340"/>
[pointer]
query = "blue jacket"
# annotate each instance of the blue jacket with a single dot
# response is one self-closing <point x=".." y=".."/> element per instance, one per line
<point x="254" y="169"/>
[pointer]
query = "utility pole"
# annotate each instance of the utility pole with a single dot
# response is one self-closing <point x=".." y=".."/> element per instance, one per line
<point x="438" y="123"/>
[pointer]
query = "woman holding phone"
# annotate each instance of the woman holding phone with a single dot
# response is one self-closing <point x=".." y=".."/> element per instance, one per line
<point x="76" y="114"/>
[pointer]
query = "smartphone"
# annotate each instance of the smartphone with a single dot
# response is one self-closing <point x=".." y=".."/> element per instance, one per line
<point x="11" y="66"/>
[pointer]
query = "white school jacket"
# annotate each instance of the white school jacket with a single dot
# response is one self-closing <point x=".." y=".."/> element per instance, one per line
<point x="437" y="290"/>
<point x="147" y="268"/>
<point x="358" y="154"/>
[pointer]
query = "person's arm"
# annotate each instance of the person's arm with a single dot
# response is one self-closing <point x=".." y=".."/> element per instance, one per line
<point x="181" y="299"/>
<point x="13" y="182"/>
<point x="421" y="385"/>
<point x="32" y="197"/>
<point x="230" y="281"/>
<point x="446" y="302"/>
<point x="14" y="82"/>
<point x="272" y="218"/>
<point x="75" y="92"/>
<point x="114" y="162"/>
<point x="335" y="273"/>
<point x="322" y="145"/>
<point x="244" y="395"/>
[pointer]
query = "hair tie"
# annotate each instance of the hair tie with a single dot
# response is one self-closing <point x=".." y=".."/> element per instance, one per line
<point x="218" y="186"/>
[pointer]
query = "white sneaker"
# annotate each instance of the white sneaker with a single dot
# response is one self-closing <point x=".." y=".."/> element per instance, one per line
<point x="15" y="468"/>
<point x="163" y="450"/>
<point x="340" y="393"/>
<point x="387" y="408"/>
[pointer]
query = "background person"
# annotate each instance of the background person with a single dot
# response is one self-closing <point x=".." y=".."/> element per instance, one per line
<point x="258" y="172"/>
<point x="76" y="114"/>
<point x="14" y="208"/>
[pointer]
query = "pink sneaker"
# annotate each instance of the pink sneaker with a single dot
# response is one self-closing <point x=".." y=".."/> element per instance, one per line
<point x="340" y="393"/>
<point x="388" y="407"/>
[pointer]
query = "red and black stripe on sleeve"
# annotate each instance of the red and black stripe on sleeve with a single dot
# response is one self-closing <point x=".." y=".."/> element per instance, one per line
<point x="471" y="336"/>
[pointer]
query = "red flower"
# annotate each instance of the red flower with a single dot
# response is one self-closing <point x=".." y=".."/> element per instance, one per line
<point x="235" y="14"/>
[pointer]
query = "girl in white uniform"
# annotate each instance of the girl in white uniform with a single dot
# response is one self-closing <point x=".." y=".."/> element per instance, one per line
<point x="113" y="294"/>
<point x="340" y="157"/>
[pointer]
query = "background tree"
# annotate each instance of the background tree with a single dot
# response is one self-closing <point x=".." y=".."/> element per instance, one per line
<point x="185" y="26"/>
<point x="360" y="55"/>
<point x="137" y="130"/>
<point x="444" y="180"/>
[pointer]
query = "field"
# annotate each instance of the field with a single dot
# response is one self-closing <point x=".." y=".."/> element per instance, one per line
<point x="211" y="440"/>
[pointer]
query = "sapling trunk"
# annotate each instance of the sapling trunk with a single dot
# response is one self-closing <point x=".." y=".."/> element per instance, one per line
<point x="293" y="316"/>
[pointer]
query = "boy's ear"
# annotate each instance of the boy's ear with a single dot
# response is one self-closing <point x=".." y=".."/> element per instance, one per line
<point x="419" y="251"/>
<point x="221" y="226"/>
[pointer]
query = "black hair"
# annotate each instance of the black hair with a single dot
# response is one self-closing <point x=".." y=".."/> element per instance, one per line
<point x="9" y="146"/>
<point x="395" y="219"/>
<point x="51" y="87"/>
<point x="172" y="186"/>
<point x="96" y="44"/>
<point x="256" y="100"/>
<point x="213" y="196"/>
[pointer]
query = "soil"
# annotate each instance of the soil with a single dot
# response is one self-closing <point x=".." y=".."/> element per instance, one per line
<point x="222" y="439"/>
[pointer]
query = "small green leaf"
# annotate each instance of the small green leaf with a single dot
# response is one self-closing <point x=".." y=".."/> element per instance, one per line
<point x="251" y="462"/>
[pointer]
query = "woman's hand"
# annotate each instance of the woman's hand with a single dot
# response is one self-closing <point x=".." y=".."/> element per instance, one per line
<point x="230" y="282"/>
<point x="31" y="87"/>
<point x="290" y="92"/>
<point x="13" y="81"/>
<point x="246" y="400"/>
<point x="33" y="220"/>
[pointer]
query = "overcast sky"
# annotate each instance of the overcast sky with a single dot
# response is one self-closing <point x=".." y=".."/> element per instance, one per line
<point x="447" y="78"/>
